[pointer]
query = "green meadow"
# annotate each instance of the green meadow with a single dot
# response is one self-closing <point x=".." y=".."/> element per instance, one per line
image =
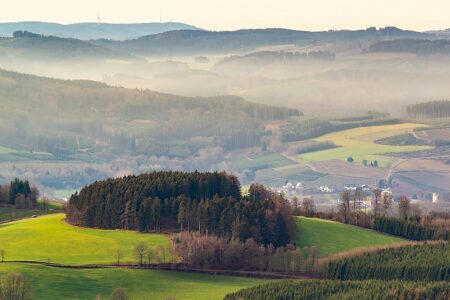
<point x="359" y="143"/>
<point x="68" y="284"/>
<point x="333" y="237"/>
<point x="50" y="238"/>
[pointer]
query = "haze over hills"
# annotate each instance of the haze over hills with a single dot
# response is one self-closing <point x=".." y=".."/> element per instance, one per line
<point x="32" y="46"/>
<point x="87" y="31"/>
<point x="190" y="42"/>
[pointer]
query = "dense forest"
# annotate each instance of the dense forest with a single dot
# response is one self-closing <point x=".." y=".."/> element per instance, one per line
<point x="124" y="121"/>
<point x="427" y="262"/>
<point x="308" y="289"/>
<point x="434" y="109"/>
<point x="209" y="203"/>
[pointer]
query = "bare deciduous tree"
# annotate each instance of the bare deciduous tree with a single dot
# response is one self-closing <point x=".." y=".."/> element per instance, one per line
<point x="119" y="255"/>
<point x="404" y="207"/>
<point x="2" y="254"/>
<point x="140" y="250"/>
<point x="14" y="286"/>
<point x="308" y="207"/>
<point x="386" y="203"/>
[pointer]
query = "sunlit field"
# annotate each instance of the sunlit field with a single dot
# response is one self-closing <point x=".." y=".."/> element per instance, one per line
<point x="358" y="143"/>
<point x="50" y="238"/>
<point x="333" y="237"/>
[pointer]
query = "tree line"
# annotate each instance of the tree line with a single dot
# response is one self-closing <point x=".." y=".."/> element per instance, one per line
<point x="202" y="251"/>
<point x="19" y="193"/>
<point x="428" y="262"/>
<point x="210" y="203"/>
<point x="433" y="109"/>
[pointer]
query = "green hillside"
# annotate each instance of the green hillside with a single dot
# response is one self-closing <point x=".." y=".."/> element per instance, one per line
<point x="333" y="237"/>
<point x="49" y="238"/>
<point x="56" y="283"/>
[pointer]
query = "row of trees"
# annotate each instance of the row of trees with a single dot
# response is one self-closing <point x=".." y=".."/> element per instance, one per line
<point x="19" y="193"/>
<point x="412" y="230"/>
<point x="329" y="289"/>
<point x="428" y="262"/>
<point x="210" y="203"/>
<point x="433" y="109"/>
<point x="203" y="251"/>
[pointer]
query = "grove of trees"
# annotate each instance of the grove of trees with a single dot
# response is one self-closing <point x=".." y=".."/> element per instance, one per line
<point x="210" y="203"/>
<point x="19" y="193"/>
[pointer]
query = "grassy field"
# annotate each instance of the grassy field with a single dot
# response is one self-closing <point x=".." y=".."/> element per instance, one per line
<point x="359" y="144"/>
<point x="332" y="237"/>
<point x="7" y="213"/>
<point x="49" y="238"/>
<point x="56" y="283"/>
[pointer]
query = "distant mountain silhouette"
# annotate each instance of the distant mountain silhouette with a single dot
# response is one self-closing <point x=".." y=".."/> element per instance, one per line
<point x="87" y="31"/>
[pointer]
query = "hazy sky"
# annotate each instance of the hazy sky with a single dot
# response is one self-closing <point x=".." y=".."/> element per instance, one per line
<point x="233" y="14"/>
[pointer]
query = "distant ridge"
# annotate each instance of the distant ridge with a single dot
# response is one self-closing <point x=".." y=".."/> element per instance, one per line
<point x="87" y="31"/>
<point x="204" y="42"/>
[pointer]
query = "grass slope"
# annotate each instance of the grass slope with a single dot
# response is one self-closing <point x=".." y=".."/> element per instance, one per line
<point x="333" y="237"/>
<point x="359" y="143"/>
<point x="50" y="238"/>
<point x="7" y="213"/>
<point x="56" y="283"/>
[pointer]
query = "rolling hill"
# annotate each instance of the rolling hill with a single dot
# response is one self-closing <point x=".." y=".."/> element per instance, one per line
<point x="49" y="238"/>
<point x="87" y="31"/>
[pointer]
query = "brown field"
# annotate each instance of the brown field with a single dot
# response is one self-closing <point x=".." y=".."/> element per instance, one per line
<point x="342" y="168"/>
<point x="439" y="180"/>
<point x="434" y="134"/>
<point x="422" y="164"/>
<point x="338" y="181"/>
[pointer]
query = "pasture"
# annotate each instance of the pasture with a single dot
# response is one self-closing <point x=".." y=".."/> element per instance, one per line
<point x="8" y="213"/>
<point x="70" y="284"/>
<point x="333" y="237"/>
<point x="50" y="238"/>
<point x="359" y="144"/>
